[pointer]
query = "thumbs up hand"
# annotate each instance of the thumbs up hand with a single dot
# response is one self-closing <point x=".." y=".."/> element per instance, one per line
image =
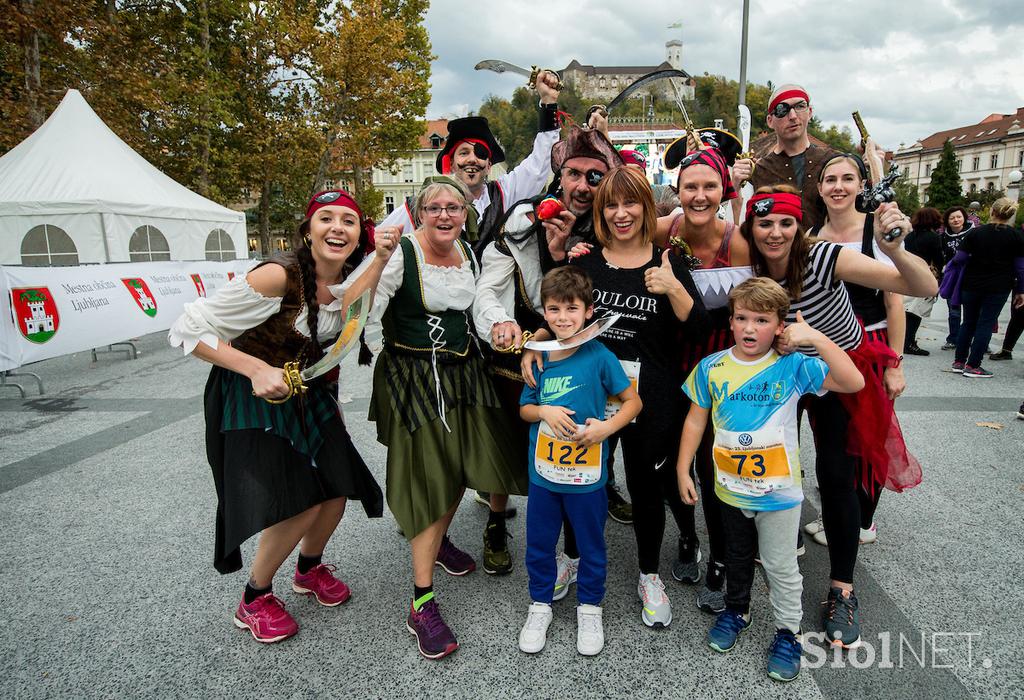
<point x="796" y="335"/>
<point x="662" y="279"/>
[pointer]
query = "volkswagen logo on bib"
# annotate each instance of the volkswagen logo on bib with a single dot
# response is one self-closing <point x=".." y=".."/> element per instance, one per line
<point x="745" y="439"/>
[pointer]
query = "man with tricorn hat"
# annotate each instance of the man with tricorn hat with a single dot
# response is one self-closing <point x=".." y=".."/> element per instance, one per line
<point x="793" y="160"/>
<point x="468" y="154"/>
<point x="508" y="292"/>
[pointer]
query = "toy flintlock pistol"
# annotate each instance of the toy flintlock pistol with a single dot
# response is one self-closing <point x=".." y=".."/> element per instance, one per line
<point x="877" y="189"/>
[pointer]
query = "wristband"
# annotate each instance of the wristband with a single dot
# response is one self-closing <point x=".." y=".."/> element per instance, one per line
<point x="547" y="117"/>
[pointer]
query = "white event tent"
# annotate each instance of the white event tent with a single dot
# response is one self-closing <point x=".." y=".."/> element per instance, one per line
<point x="74" y="193"/>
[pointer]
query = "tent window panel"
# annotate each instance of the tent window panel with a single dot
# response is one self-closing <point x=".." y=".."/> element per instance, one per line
<point x="47" y="245"/>
<point x="219" y="246"/>
<point x="147" y="244"/>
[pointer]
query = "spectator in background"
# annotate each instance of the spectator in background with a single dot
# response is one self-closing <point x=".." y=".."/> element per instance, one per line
<point x="926" y="243"/>
<point x="955" y="227"/>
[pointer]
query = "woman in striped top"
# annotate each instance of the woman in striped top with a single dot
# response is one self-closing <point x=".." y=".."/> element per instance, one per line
<point x="813" y="272"/>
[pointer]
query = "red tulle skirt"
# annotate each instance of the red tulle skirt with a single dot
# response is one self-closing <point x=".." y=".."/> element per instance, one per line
<point x="874" y="435"/>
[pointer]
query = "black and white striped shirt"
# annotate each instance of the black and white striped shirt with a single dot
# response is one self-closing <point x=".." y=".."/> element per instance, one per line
<point x="824" y="302"/>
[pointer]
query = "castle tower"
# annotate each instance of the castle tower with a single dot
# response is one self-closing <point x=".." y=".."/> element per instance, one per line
<point x="674" y="53"/>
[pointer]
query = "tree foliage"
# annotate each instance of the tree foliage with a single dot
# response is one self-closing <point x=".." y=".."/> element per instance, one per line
<point x="945" y="190"/>
<point x="236" y="99"/>
<point x="906" y="196"/>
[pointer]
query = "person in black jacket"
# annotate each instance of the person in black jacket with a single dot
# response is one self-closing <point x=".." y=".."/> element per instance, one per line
<point x="924" y="242"/>
<point x="954" y="227"/>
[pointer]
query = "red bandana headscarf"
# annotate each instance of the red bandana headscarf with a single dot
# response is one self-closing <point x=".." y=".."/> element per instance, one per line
<point x="775" y="203"/>
<point x="712" y="158"/>
<point x="446" y="159"/>
<point x="341" y="198"/>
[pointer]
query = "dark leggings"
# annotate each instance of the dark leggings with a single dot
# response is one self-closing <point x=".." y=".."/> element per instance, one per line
<point x="913" y="324"/>
<point x="836" y="470"/>
<point x="709" y="501"/>
<point x="1014" y="329"/>
<point x="649" y="488"/>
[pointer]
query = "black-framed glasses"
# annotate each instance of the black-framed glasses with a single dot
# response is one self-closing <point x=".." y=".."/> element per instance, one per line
<point x="327" y="197"/>
<point x="451" y="209"/>
<point x="593" y="177"/>
<point x="783" y="108"/>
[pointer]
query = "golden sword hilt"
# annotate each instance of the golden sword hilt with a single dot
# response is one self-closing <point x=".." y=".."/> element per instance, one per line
<point x="293" y="378"/>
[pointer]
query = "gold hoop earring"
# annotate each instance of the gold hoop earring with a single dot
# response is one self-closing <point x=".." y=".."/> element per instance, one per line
<point x="307" y="240"/>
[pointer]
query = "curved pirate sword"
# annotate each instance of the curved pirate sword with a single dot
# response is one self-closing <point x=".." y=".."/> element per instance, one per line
<point x="506" y="67"/>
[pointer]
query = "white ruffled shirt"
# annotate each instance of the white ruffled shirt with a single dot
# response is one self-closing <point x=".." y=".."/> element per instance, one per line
<point x="236" y="307"/>
<point x="443" y="288"/>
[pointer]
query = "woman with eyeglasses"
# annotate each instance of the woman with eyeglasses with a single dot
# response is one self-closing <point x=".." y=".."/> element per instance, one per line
<point x="284" y="464"/>
<point x="433" y="401"/>
<point x="850" y="430"/>
<point x="881" y="313"/>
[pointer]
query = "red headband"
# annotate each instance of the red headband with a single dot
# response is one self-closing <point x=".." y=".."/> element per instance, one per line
<point x="714" y="159"/>
<point x="340" y="198"/>
<point x="775" y="203"/>
<point x="446" y="159"/>
<point x="787" y="94"/>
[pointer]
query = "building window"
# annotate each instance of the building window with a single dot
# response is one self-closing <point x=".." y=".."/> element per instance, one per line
<point x="906" y="171"/>
<point x="147" y="244"/>
<point x="974" y="187"/>
<point x="990" y="186"/>
<point x="389" y="204"/>
<point x="928" y="170"/>
<point x="976" y="163"/>
<point x="959" y="165"/>
<point x="407" y="172"/>
<point x="1020" y="159"/>
<point x="435" y="141"/>
<point x="47" y="246"/>
<point x="219" y="246"/>
<point x="994" y="161"/>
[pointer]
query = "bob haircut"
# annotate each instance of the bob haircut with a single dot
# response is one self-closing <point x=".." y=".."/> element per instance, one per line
<point x="949" y="213"/>
<point x="926" y="219"/>
<point x="623" y="184"/>
<point x="798" y="253"/>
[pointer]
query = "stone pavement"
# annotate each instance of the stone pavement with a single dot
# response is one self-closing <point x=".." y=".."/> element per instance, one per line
<point x="106" y="505"/>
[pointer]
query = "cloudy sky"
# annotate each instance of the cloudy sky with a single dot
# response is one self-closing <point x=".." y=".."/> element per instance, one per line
<point x="911" y="67"/>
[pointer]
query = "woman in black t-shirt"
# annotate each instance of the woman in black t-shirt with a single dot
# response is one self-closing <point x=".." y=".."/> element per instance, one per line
<point x="658" y="302"/>
<point x="988" y="253"/>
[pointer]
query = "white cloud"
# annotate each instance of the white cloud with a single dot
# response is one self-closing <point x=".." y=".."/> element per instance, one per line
<point x="911" y="68"/>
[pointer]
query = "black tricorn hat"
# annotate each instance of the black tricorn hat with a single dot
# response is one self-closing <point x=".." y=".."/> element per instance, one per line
<point x="469" y="128"/>
<point x="727" y="144"/>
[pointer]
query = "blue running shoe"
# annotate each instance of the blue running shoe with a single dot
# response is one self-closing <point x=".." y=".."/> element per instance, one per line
<point x="784" y="656"/>
<point x="722" y="637"/>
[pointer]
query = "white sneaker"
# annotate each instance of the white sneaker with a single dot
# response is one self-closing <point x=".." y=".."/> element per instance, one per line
<point x="814" y="527"/>
<point x="657" y="611"/>
<point x="534" y="634"/>
<point x="866" y="536"/>
<point x="567" y="570"/>
<point x="589" y="630"/>
<point x="870" y="535"/>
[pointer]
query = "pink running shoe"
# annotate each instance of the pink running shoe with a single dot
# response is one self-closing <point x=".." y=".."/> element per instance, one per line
<point x="266" y="618"/>
<point x="319" y="581"/>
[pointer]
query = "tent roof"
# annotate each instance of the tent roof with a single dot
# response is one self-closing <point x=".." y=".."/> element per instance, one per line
<point x="74" y="164"/>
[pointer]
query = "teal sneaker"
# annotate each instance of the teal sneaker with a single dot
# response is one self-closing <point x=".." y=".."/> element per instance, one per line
<point x="728" y="626"/>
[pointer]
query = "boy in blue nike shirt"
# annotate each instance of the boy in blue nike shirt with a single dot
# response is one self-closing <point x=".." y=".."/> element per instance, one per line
<point x="751" y="393"/>
<point x="568" y="459"/>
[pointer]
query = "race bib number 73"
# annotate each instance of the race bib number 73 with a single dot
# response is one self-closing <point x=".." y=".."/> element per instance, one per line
<point x="752" y="463"/>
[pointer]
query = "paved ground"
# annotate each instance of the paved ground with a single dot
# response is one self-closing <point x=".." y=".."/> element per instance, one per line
<point x="106" y="505"/>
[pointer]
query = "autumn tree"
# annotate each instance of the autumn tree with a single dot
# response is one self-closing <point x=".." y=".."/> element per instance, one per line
<point x="371" y="69"/>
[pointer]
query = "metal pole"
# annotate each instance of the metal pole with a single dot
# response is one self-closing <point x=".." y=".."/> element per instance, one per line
<point x="743" y="53"/>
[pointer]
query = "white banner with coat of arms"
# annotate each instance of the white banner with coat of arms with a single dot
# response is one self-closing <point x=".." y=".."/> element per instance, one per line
<point x="53" y="311"/>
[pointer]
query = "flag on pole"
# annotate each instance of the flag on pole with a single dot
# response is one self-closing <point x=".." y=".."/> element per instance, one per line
<point x="675" y="25"/>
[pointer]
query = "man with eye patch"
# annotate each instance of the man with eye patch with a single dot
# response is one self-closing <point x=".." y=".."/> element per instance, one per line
<point x="793" y="160"/>
<point x="468" y="154"/>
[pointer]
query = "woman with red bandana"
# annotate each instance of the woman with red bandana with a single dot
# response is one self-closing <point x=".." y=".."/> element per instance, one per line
<point x="284" y="465"/>
<point x="813" y="273"/>
<point x="721" y="260"/>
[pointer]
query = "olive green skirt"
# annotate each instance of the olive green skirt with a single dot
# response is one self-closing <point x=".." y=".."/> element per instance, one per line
<point x="428" y="467"/>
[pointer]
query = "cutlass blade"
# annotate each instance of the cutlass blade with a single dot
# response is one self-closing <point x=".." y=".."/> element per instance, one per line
<point x="355" y="320"/>
<point x="574" y="341"/>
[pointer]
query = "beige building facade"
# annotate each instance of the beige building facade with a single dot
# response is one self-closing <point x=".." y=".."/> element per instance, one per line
<point x="986" y="153"/>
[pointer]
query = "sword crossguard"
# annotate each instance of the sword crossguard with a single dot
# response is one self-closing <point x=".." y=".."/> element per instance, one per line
<point x="293" y="378"/>
<point x="517" y="349"/>
<point x="535" y="71"/>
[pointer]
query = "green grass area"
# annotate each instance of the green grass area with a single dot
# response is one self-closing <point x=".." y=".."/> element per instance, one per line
<point x="41" y="336"/>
